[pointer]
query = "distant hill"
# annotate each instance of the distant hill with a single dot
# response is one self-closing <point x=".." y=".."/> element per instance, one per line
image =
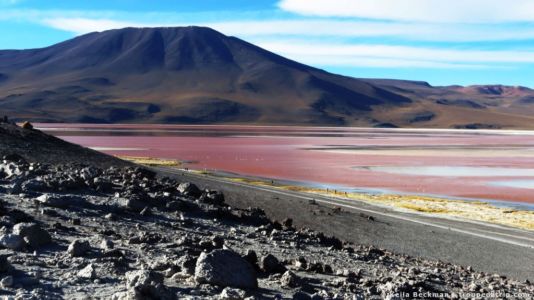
<point x="196" y="75"/>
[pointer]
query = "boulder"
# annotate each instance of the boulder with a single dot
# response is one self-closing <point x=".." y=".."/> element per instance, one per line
<point x="88" y="272"/>
<point x="32" y="234"/>
<point x="301" y="263"/>
<point x="132" y="204"/>
<point x="57" y="200"/>
<point x="189" y="189"/>
<point x="89" y="173"/>
<point x="251" y="257"/>
<point x="143" y="173"/>
<point x="225" y="268"/>
<point x="4" y="265"/>
<point x="289" y="279"/>
<point x="106" y="244"/>
<point x="27" y="125"/>
<point x="270" y="264"/>
<point x="187" y="263"/>
<point x="232" y="294"/>
<point x="16" y="188"/>
<point x="12" y="241"/>
<point x="78" y="248"/>
<point x="102" y="185"/>
<point x="34" y="185"/>
<point x="217" y="241"/>
<point x="142" y="278"/>
<point x="145" y="284"/>
<point x="7" y="282"/>
<point x="212" y="197"/>
<point x="10" y="169"/>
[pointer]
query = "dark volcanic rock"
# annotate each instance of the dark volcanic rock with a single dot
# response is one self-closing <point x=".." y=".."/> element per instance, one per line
<point x="270" y="264"/>
<point x="78" y="248"/>
<point x="27" y="125"/>
<point x="188" y="264"/>
<point x="289" y="279"/>
<point x="4" y="265"/>
<point x="189" y="189"/>
<point x="12" y="241"/>
<point x="212" y="197"/>
<point x="134" y="204"/>
<point x="58" y="201"/>
<point x="144" y="284"/>
<point x="225" y="268"/>
<point x="33" y="234"/>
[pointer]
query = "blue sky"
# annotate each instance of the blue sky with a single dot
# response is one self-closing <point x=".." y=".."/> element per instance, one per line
<point x="439" y="41"/>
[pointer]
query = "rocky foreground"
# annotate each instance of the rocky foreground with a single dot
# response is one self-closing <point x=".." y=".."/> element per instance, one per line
<point x="79" y="232"/>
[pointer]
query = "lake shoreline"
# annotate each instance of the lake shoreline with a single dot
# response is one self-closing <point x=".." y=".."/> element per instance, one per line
<point x="519" y="216"/>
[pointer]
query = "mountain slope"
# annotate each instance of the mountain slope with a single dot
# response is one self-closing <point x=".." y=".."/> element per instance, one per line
<point x="191" y="75"/>
<point x="195" y="75"/>
<point x="36" y="146"/>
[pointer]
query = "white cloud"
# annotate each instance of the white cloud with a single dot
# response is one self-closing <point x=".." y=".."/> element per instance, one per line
<point x="403" y="52"/>
<point x="348" y="55"/>
<point x="374" y="62"/>
<point x="452" y="11"/>
<point x="349" y="29"/>
<point x="317" y="28"/>
<point x="86" y="25"/>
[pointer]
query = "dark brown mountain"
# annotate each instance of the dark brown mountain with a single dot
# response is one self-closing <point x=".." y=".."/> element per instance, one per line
<point x="198" y="75"/>
<point x="471" y="107"/>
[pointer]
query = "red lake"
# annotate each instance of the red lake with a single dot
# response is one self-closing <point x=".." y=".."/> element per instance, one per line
<point x="482" y="164"/>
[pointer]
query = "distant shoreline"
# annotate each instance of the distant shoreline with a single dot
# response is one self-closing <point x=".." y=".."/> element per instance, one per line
<point x="75" y="126"/>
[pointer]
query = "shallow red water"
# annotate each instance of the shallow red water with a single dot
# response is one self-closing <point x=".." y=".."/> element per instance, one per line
<point x="297" y="153"/>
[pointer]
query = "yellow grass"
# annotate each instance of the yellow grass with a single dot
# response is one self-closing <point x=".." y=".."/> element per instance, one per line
<point x="201" y="172"/>
<point x="154" y="162"/>
<point x="421" y="208"/>
<point x="462" y="209"/>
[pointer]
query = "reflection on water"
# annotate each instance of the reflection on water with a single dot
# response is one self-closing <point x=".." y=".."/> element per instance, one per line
<point x="521" y="184"/>
<point x="454" y="171"/>
<point x="117" y="149"/>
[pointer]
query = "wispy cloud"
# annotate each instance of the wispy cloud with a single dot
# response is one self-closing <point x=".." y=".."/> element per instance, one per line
<point x="86" y="25"/>
<point x="376" y="62"/>
<point x="405" y="52"/>
<point x="464" y="11"/>
<point x="361" y="55"/>
<point x="315" y="28"/>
